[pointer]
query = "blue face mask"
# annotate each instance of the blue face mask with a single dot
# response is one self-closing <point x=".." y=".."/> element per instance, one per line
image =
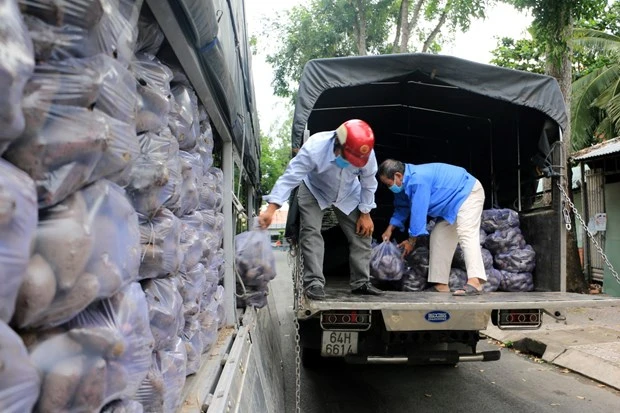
<point x="396" y="189"/>
<point x="341" y="162"/>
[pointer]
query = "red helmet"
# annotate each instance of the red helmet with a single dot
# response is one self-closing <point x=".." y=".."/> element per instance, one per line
<point x="357" y="140"/>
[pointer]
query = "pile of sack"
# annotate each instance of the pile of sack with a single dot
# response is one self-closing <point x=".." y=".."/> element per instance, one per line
<point x="111" y="222"/>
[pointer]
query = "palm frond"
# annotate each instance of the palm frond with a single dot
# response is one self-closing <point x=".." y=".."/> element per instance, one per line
<point x="613" y="109"/>
<point x="596" y="39"/>
<point x="585" y="92"/>
<point x="604" y="130"/>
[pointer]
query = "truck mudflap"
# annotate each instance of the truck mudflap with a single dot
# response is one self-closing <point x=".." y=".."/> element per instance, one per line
<point x="342" y="299"/>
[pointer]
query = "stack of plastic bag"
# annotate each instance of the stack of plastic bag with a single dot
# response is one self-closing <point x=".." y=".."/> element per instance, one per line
<point x="165" y="311"/>
<point x="123" y="406"/>
<point x="16" y="65"/>
<point x="160" y="239"/>
<point x="254" y="260"/>
<point x="92" y="26"/>
<point x="416" y="272"/>
<point x="19" y="379"/>
<point x="103" y="354"/>
<point x="514" y="259"/>
<point x="155" y="177"/>
<point x="161" y="390"/>
<point x="386" y="263"/>
<point x="86" y="248"/>
<point x="18" y="222"/>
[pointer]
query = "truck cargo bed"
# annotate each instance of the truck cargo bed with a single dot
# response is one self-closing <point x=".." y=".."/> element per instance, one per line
<point x="338" y="296"/>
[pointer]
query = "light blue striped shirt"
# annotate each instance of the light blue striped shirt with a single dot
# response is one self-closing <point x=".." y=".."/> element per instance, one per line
<point x="315" y="165"/>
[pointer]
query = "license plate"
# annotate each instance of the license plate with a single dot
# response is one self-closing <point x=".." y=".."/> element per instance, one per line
<point x="339" y="343"/>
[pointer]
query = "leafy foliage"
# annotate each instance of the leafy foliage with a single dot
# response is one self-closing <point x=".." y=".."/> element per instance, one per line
<point x="336" y="28"/>
<point x="275" y="154"/>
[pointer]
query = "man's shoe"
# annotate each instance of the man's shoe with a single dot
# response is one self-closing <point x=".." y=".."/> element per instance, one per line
<point x="367" y="289"/>
<point x="315" y="292"/>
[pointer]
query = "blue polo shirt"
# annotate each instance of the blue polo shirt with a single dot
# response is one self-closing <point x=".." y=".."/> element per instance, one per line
<point x="435" y="189"/>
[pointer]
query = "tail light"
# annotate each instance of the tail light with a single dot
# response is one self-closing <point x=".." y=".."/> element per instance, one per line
<point x="351" y="320"/>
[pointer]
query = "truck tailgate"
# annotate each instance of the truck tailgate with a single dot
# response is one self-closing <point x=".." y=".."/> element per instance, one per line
<point x="342" y="299"/>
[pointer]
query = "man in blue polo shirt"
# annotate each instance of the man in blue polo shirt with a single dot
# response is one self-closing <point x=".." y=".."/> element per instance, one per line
<point x="441" y="191"/>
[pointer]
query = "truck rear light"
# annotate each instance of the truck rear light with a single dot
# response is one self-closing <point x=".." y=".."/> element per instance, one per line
<point x="517" y="319"/>
<point x="351" y="320"/>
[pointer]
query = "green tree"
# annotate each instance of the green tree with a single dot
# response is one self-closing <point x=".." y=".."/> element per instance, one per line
<point x="522" y="54"/>
<point x="275" y="154"/>
<point x="336" y="28"/>
<point x="596" y="93"/>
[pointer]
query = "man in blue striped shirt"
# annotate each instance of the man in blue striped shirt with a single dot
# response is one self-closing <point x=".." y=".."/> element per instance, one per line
<point x="441" y="191"/>
<point x="335" y="168"/>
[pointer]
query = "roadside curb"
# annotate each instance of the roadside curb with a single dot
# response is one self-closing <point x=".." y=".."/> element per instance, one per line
<point x="592" y="351"/>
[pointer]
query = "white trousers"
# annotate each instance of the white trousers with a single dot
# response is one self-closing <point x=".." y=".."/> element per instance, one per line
<point x="466" y="231"/>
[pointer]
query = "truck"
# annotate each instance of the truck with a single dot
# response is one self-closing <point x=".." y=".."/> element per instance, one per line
<point x="505" y="127"/>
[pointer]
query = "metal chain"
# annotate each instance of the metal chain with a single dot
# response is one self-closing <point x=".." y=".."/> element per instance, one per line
<point x="298" y="269"/>
<point x="568" y="202"/>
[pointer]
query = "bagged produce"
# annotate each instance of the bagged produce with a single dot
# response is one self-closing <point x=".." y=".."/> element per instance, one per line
<point x="161" y="389"/>
<point x="18" y="222"/>
<point x="160" y="239"/>
<point x="19" y="379"/>
<point x="483" y="236"/>
<point x="204" y="142"/>
<point x="183" y="120"/>
<point x="386" y="262"/>
<point x="55" y="42"/>
<point x="193" y="283"/>
<point x="499" y="219"/>
<point x="86" y="248"/>
<point x="494" y="278"/>
<point x="192" y="175"/>
<point x="110" y="24"/>
<point x="211" y="191"/>
<point x="458" y="278"/>
<point x="504" y="240"/>
<point x="155" y="97"/>
<point x="254" y="259"/>
<point x="413" y="281"/>
<point x="516" y="282"/>
<point x="123" y="406"/>
<point x="150" y="36"/>
<point x="165" y="310"/>
<point x="68" y="147"/>
<point x="192" y="338"/>
<point x="102" y="355"/>
<point x="16" y="65"/>
<point x="209" y="324"/>
<point x="191" y="246"/>
<point x="99" y="82"/>
<point x="517" y="260"/>
<point x="459" y="258"/>
<point x="155" y="177"/>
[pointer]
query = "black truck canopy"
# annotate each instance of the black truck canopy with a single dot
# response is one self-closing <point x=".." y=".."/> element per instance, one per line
<point x="460" y="86"/>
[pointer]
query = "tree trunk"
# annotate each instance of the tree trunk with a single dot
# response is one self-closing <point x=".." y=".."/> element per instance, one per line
<point x="431" y="37"/>
<point x="399" y="24"/>
<point x="560" y="68"/>
<point x="360" y="29"/>
<point x="409" y="26"/>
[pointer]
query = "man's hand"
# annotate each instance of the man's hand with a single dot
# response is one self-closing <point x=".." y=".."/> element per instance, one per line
<point x="407" y="246"/>
<point x="365" y="226"/>
<point x="387" y="235"/>
<point x="265" y="218"/>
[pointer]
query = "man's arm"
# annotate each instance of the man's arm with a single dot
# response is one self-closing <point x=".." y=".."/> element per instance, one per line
<point x="295" y="172"/>
<point x="369" y="185"/>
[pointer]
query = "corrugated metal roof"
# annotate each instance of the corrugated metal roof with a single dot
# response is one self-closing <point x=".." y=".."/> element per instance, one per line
<point x="598" y="150"/>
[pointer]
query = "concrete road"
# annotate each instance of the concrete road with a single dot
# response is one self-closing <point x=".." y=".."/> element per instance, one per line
<point x="515" y="383"/>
